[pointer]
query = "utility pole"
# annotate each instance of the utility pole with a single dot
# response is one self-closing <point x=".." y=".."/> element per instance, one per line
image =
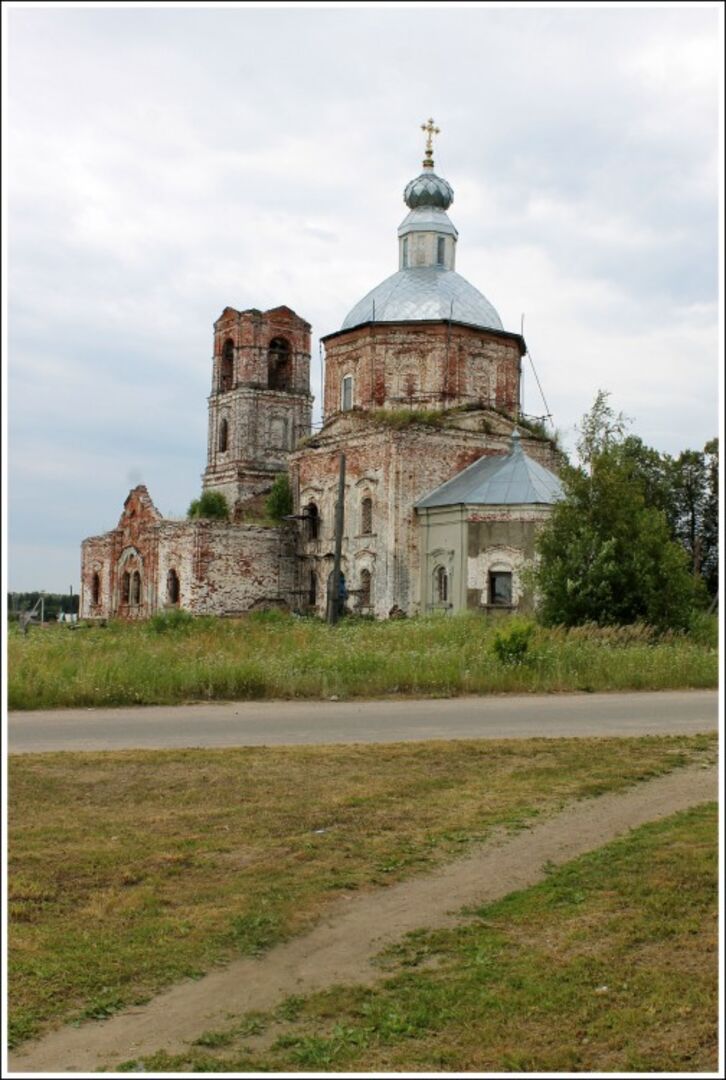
<point x="334" y="592"/>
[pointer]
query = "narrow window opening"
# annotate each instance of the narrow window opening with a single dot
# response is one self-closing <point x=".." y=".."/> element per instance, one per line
<point x="366" y="516"/>
<point x="441" y="579"/>
<point x="312" y="521"/>
<point x="172" y="587"/>
<point x="223" y="436"/>
<point x="404" y="252"/>
<point x="226" y="370"/>
<point x="135" y="596"/>
<point x="440" y="250"/>
<point x="500" y="588"/>
<point x="365" y="588"/>
<point x="96" y="589"/>
<point x="279" y="365"/>
<point x="125" y="588"/>
<point x="313" y="589"/>
<point x="347" y="393"/>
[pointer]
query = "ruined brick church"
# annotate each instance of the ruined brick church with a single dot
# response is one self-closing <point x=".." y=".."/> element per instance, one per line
<point x="445" y="485"/>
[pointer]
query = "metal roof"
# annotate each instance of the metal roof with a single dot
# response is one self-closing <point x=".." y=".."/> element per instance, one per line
<point x="427" y="219"/>
<point x="424" y="292"/>
<point x="428" y="189"/>
<point x="513" y="479"/>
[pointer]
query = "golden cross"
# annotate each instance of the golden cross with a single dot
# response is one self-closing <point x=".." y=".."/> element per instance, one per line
<point x="430" y="130"/>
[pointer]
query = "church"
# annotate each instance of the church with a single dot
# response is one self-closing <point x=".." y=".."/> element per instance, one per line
<point x="446" y="482"/>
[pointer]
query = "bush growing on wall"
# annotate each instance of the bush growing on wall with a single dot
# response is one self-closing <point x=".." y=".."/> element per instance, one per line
<point x="279" y="501"/>
<point x="210" y="504"/>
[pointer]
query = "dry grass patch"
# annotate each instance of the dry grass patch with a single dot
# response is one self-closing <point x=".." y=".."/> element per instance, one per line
<point x="131" y="870"/>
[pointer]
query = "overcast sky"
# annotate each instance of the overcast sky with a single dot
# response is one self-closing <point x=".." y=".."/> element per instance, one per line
<point x="163" y="163"/>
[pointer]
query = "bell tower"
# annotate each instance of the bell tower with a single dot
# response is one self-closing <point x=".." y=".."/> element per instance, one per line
<point x="260" y="404"/>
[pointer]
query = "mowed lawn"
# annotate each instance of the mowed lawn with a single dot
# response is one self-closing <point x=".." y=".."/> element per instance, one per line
<point x="608" y="966"/>
<point x="173" y="659"/>
<point x="129" y="871"/>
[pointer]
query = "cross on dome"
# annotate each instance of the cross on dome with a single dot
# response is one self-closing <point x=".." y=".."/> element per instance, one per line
<point x="430" y="128"/>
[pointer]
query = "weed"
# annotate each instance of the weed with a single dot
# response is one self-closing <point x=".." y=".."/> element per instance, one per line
<point x="511" y="645"/>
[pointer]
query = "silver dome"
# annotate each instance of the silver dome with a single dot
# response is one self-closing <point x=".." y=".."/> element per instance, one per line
<point x="424" y="292"/>
<point x="428" y="189"/>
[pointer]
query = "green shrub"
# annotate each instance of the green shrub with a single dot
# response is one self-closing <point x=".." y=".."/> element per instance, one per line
<point x="210" y="504"/>
<point x="511" y="644"/>
<point x="279" y="501"/>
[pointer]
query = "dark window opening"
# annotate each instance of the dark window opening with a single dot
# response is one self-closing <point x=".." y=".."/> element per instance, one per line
<point x="135" y="593"/>
<point x="226" y="369"/>
<point x="365" y="588"/>
<point x="347" y="393"/>
<point x="96" y="589"/>
<point x="404" y="259"/>
<point x="172" y="587"/>
<point x="366" y="517"/>
<point x="440" y="249"/>
<point x="500" y="588"/>
<point x="441" y="580"/>
<point x="223" y="435"/>
<point x="279" y="365"/>
<point x="312" y="521"/>
<point x="125" y="588"/>
<point x="313" y="589"/>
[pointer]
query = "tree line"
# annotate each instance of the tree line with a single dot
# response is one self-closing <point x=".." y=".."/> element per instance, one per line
<point x="53" y="603"/>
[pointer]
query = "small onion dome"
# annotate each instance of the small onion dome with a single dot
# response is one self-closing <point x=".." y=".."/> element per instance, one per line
<point x="428" y="189"/>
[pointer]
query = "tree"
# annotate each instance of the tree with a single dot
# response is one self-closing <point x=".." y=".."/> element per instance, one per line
<point x="279" y="501"/>
<point x="599" y="429"/>
<point x="709" y="525"/>
<point x="210" y="504"/>
<point x="605" y="555"/>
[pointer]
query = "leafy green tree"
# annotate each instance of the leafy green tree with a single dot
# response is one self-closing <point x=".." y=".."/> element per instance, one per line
<point x="606" y="555"/>
<point x="279" y="501"/>
<point x="210" y="504"/>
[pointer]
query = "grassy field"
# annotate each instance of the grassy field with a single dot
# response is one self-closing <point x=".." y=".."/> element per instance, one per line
<point x="273" y="655"/>
<point x="131" y="870"/>
<point x="609" y="965"/>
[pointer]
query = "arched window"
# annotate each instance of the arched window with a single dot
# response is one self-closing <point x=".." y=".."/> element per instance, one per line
<point x="125" y="588"/>
<point x="223" y="435"/>
<point x="135" y="594"/>
<point x="365" y="588"/>
<point x="279" y="365"/>
<point x="346" y="393"/>
<point x="96" y="589"/>
<point x="500" y="587"/>
<point x="172" y="587"/>
<point x="313" y="589"/>
<point x="312" y="521"/>
<point x="440" y="250"/>
<point x="441" y="585"/>
<point x="226" y="368"/>
<point x="366" y="516"/>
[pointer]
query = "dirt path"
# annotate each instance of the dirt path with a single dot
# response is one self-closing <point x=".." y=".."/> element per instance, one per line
<point x="340" y="948"/>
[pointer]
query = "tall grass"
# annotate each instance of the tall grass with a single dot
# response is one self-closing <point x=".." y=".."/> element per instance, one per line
<point x="273" y="655"/>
